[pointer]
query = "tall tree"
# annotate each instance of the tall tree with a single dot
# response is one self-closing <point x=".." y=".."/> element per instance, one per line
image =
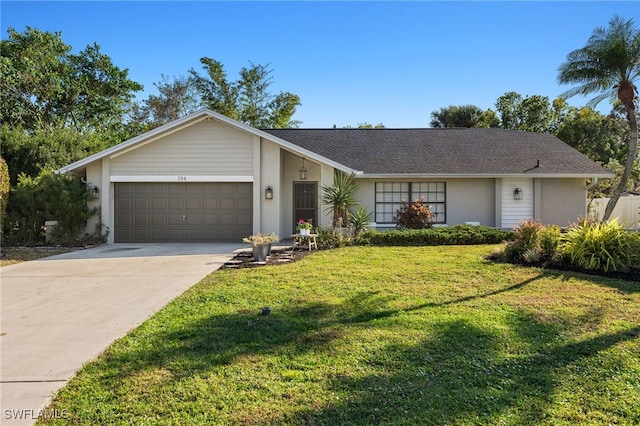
<point x="600" y="137"/>
<point x="463" y="116"/>
<point x="608" y="65"/>
<point x="531" y="113"/>
<point x="45" y="86"/>
<point x="176" y="98"/>
<point x="247" y="99"/>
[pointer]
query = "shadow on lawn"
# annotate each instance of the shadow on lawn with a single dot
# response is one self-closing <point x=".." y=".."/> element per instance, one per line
<point x="455" y="379"/>
<point x="452" y="376"/>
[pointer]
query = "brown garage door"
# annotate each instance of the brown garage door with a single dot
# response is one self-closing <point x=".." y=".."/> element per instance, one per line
<point x="182" y="212"/>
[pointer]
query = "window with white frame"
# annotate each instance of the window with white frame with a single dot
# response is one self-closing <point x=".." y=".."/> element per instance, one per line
<point x="390" y="195"/>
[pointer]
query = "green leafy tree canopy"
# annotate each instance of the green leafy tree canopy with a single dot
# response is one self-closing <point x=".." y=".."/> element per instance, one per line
<point x="248" y="99"/>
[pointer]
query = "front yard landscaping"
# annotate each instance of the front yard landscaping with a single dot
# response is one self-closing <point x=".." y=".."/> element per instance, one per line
<point x="376" y="335"/>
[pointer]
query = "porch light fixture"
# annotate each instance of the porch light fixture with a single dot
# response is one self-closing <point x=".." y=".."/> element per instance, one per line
<point x="268" y="193"/>
<point x="94" y="192"/>
<point x="303" y="171"/>
<point x="518" y="194"/>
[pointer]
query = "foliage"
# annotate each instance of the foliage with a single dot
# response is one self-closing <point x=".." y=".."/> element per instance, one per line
<point x="4" y="186"/>
<point x="369" y="335"/>
<point x="463" y="116"/>
<point x="175" y="99"/>
<point x="601" y="246"/>
<point x="248" y="99"/>
<point x="608" y="66"/>
<point x="302" y="224"/>
<point x="359" y="220"/>
<point x="330" y="237"/>
<point x="600" y="137"/>
<point x="45" y="86"/>
<point x="449" y="235"/>
<point x="41" y="150"/>
<point x="260" y="239"/>
<point x="414" y="215"/>
<point x="339" y="197"/>
<point x="47" y="197"/>
<point x="531" y="113"/>
<point x="533" y="243"/>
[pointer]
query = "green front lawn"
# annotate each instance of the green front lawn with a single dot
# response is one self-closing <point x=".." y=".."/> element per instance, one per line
<point x="361" y="335"/>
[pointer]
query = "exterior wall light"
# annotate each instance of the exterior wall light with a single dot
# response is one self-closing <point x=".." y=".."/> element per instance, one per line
<point x="303" y="171"/>
<point x="268" y="193"/>
<point x="518" y="194"/>
<point x="94" y="192"/>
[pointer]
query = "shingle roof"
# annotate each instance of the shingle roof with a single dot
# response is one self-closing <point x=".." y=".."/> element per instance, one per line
<point x="444" y="151"/>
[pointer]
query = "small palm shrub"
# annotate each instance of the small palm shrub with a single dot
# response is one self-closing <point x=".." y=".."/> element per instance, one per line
<point x="359" y="220"/>
<point x="414" y="215"/>
<point x="601" y="246"/>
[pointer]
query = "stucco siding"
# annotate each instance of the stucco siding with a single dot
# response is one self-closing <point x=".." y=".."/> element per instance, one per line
<point x="562" y="201"/>
<point x="467" y="200"/>
<point x="208" y="148"/>
<point x="471" y="200"/>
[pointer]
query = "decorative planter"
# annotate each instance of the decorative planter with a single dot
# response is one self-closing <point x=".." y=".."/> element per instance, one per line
<point x="305" y="231"/>
<point x="260" y="252"/>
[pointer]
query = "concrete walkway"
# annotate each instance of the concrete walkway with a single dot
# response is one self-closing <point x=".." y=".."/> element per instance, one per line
<point x="60" y="312"/>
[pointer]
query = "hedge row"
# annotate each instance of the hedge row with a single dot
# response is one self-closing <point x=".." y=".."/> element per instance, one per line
<point x="450" y="235"/>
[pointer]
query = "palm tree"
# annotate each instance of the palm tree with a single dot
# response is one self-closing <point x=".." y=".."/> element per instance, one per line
<point x="608" y="65"/>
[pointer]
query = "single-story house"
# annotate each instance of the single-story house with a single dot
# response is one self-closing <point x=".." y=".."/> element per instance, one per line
<point x="206" y="177"/>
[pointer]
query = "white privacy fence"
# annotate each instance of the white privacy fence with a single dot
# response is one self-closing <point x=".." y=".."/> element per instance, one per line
<point x="627" y="210"/>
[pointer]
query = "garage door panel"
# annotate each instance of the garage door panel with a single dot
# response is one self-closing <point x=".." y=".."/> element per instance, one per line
<point x="243" y="204"/>
<point x="193" y="204"/>
<point x="141" y="204"/>
<point x="158" y="204"/>
<point x="244" y="219"/>
<point x="125" y="219"/>
<point x="227" y="204"/>
<point x="244" y="190"/>
<point x="141" y="220"/>
<point x="182" y="212"/>
<point x="193" y="219"/>
<point x="158" y="219"/>
<point x="210" y="219"/>
<point x="211" y="204"/>
<point x="174" y="219"/>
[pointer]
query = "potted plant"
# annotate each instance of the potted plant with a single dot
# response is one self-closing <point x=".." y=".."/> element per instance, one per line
<point x="261" y="244"/>
<point x="304" y="227"/>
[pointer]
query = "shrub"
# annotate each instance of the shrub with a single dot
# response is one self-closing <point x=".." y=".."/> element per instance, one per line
<point x="46" y="197"/>
<point x="333" y="237"/>
<point x="454" y="235"/>
<point x="603" y="247"/>
<point x="415" y="215"/>
<point x="359" y="220"/>
<point x="533" y="243"/>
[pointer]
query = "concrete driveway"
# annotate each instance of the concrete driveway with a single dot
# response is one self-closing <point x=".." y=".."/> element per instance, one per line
<point x="60" y="312"/>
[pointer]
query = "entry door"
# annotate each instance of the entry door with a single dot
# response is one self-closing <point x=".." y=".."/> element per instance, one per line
<point x="305" y="202"/>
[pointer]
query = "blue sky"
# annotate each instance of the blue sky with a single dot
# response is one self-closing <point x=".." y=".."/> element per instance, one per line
<point x="350" y="62"/>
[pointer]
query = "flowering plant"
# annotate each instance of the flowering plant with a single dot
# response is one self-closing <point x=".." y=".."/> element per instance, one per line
<point x="259" y="239"/>
<point x="304" y="225"/>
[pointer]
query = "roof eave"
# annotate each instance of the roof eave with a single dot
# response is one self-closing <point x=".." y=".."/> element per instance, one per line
<point x="480" y="175"/>
<point x="190" y="119"/>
